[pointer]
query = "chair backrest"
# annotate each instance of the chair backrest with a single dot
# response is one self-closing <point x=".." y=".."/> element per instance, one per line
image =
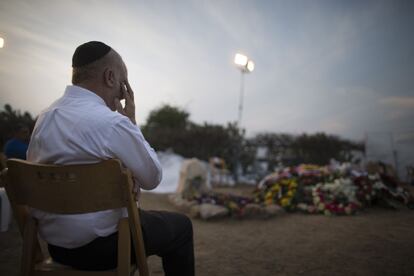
<point x="74" y="189"/>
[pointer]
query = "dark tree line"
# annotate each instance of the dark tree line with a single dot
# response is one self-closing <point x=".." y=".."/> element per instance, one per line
<point x="169" y="127"/>
<point x="318" y="148"/>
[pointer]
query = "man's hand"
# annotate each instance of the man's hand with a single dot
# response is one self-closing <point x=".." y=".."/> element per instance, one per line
<point x="129" y="110"/>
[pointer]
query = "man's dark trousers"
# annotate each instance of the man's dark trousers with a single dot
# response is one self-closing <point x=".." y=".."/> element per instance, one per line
<point x="166" y="234"/>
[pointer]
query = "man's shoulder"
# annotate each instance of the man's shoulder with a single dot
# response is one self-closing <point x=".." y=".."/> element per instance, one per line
<point x="81" y="109"/>
<point x="81" y="113"/>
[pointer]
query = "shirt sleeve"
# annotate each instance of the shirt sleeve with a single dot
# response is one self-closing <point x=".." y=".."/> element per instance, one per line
<point x="127" y="143"/>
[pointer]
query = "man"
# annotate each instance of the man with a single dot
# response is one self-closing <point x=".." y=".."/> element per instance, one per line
<point x="82" y="127"/>
<point x="16" y="147"/>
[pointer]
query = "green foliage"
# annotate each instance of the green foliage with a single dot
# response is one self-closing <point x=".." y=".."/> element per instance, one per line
<point x="10" y="119"/>
<point x="166" y="127"/>
<point x="320" y="148"/>
<point x="317" y="148"/>
<point x="168" y="116"/>
<point x="169" y="127"/>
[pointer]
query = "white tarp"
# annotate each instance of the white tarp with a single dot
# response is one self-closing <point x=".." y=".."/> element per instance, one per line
<point x="171" y="165"/>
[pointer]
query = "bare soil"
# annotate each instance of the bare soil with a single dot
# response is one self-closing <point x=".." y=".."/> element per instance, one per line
<point x="374" y="242"/>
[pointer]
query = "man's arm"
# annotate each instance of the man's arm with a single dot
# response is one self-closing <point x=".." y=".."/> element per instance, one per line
<point x="127" y="143"/>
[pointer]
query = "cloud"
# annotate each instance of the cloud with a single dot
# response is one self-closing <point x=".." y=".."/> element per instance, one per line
<point x="405" y="138"/>
<point x="399" y="108"/>
<point x="399" y="102"/>
<point x="307" y="56"/>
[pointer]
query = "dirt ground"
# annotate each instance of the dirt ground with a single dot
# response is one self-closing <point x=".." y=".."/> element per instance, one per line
<point x="374" y="242"/>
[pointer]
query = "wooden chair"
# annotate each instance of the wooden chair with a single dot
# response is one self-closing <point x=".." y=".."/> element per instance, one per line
<point x="73" y="189"/>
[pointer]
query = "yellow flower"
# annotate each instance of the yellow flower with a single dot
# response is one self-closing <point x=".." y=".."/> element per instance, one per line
<point x="284" y="202"/>
<point x="233" y="205"/>
<point x="275" y="188"/>
<point x="269" y="195"/>
<point x="293" y="184"/>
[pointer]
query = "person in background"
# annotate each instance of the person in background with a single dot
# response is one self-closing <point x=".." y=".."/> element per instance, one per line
<point x="17" y="146"/>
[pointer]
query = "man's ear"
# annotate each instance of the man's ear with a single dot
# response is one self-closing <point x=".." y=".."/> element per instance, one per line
<point x="109" y="77"/>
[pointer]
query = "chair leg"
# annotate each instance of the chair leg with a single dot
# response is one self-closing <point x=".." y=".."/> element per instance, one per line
<point x="124" y="248"/>
<point x="135" y="224"/>
<point x="29" y="247"/>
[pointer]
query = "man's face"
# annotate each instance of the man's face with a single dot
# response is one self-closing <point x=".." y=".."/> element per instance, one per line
<point x="117" y="91"/>
<point x="123" y="80"/>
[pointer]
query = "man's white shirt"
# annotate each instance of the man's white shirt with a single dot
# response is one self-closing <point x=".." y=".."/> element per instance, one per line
<point x="79" y="129"/>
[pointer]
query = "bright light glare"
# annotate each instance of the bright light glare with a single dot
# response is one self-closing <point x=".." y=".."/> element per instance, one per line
<point x="1" y="42"/>
<point x="250" y="66"/>
<point x="240" y="59"/>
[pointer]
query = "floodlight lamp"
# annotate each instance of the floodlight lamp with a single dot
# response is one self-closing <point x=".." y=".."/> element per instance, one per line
<point x="250" y="66"/>
<point x="240" y="59"/>
<point x="1" y="42"/>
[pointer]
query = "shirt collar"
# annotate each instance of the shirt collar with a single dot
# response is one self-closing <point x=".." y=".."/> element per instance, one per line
<point x="75" y="91"/>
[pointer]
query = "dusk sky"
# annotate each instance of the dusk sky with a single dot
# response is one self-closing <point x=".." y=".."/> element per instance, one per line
<point x="342" y="67"/>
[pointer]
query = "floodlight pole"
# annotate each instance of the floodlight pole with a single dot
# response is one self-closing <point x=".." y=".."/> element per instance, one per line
<point x="241" y="98"/>
<point x="245" y="65"/>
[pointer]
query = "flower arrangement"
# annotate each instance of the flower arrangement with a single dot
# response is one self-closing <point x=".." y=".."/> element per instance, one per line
<point x="235" y="204"/>
<point x="281" y="192"/>
<point x="329" y="190"/>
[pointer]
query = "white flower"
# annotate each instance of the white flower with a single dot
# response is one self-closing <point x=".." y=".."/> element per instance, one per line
<point x="378" y="185"/>
<point x="321" y="206"/>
